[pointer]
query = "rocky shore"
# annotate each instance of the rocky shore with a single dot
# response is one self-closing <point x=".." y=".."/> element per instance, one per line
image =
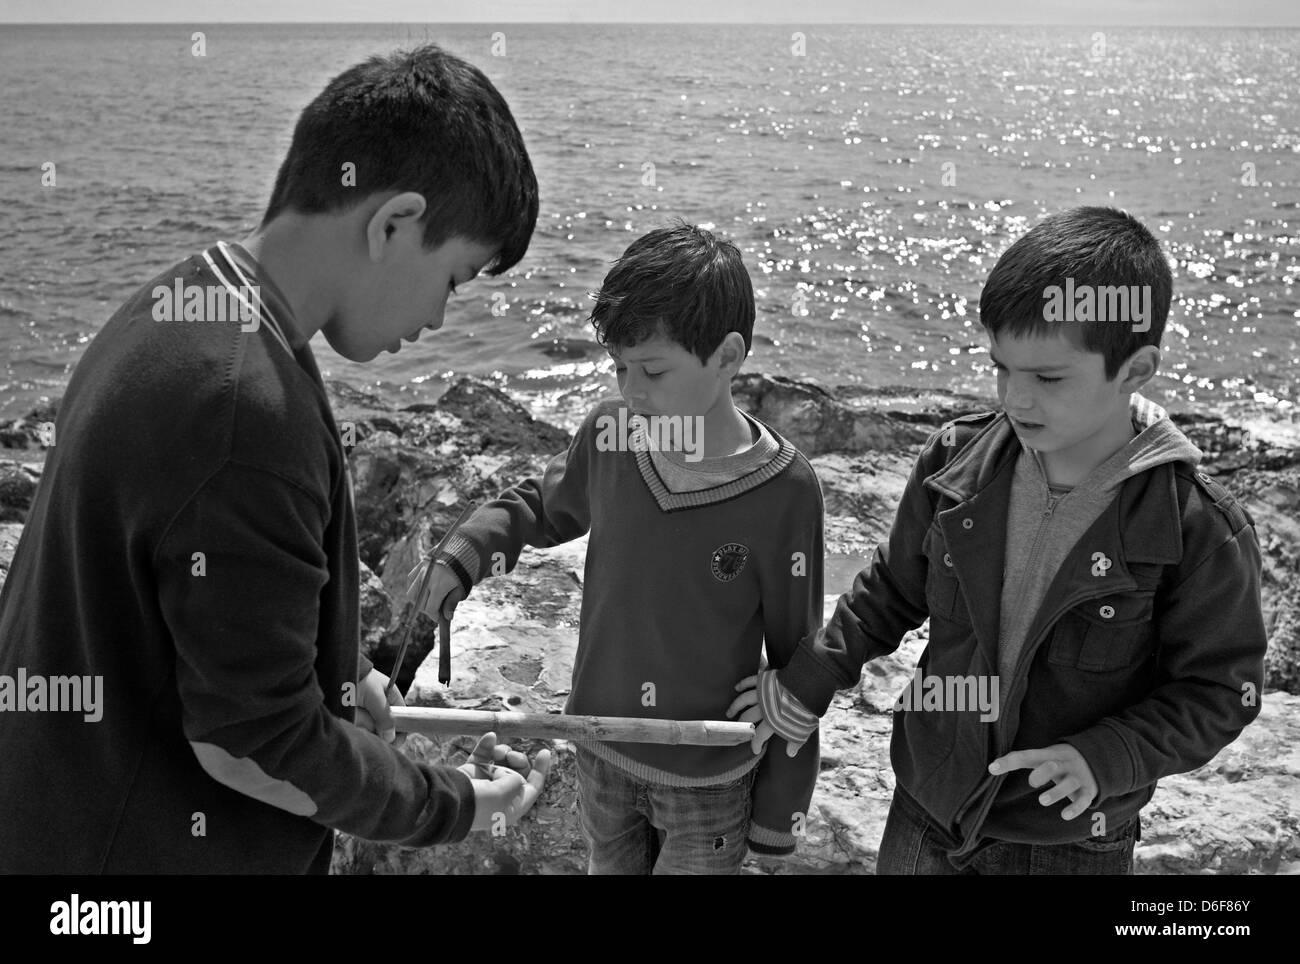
<point x="414" y="468"/>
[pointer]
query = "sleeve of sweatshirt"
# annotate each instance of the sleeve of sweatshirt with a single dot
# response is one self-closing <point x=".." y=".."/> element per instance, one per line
<point x="252" y="707"/>
<point x="1212" y="641"/>
<point x="540" y="512"/>
<point x="792" y="610"/>
<point x="870" y="620"/>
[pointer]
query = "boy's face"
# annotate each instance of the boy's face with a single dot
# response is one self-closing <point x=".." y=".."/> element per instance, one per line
<point x="401" y="294"/>
<point x="660" y="377"/>
<point x="1056" y="393"/>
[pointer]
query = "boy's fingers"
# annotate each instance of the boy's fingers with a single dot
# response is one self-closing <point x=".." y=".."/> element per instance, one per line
<point x="1019" y="760"/>
<point x="541" y="767"/>
<point x="482" y="753"/>
<point x="1079" y="804"/>
<point x="749" y="682"/>
<point x="1044" y="772"/>
<point x="792" y="749"/>
<point x="748" y="698"/>
<point x="518" y="762"/>
<point x="752" y="715"/>
<point x="762" y="733"/>
<point x="364" y="720"/>
<point x="1065" y="788"/>
<point x="450" y="601"/>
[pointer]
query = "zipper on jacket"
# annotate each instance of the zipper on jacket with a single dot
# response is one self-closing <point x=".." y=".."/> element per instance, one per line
<point x="1035" y="550"/>
<point x="1021" y="671"/>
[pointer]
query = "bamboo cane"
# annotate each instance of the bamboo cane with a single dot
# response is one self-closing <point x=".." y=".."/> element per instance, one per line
<point x="579" y="729"/>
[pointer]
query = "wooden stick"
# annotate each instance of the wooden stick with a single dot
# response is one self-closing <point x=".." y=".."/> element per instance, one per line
<point x="579" y="729"/>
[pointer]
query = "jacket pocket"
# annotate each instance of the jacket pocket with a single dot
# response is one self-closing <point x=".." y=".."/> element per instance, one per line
<point x="1104" y="634"/>
<point x="943" y="595"/>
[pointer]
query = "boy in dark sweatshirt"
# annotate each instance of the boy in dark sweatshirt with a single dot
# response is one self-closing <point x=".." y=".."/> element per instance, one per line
<point x="1066" y="550"/>
<point x="192" y="547"/>
<point x="706" y="546"/>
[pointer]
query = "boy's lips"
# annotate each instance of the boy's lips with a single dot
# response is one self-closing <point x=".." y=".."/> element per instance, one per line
<point x="1025" y="426"/>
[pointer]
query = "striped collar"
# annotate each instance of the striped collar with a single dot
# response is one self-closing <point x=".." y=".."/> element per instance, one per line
<point x="670" y="501"/>
<point x="234" y="267"/>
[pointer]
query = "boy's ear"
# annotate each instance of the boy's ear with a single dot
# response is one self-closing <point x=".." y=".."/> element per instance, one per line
<point x="399" y="212"/>
<point x="1140" y="368"/>
<point x="731" y="353"/>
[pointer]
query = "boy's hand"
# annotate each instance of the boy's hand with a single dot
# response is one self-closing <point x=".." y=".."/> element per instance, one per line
<point x="445" y="590"/>
<point x="374" y="697"/>
<point x="1063" y="765"/>
<point x="505" y="795"/>
<point x="772" y="710"/>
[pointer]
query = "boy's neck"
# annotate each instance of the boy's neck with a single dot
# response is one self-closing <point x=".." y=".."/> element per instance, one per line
<point x="297" y="260"/>
<point x="726" y="431"/>
<point x="1070" y="466"/>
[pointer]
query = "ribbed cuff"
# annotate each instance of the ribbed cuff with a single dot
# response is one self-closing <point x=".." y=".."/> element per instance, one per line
<point x="466" y="556"/>
<point x="763" y="840"/>
<point x="783" y="711"/>
<point x="808" y="680"/>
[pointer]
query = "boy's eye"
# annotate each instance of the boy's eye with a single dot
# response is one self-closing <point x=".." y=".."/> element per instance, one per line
<point x="1047" y="381"/>
<point x="653" y="374"/>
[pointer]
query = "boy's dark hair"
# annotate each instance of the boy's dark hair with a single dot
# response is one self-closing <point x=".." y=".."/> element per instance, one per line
<point x="420" y="120"/>
<point x="681" y="280"/>
<point x="1096" y="246"/>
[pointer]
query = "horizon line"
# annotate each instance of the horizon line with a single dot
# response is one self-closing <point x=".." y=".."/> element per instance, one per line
<point x="641" y="23"/>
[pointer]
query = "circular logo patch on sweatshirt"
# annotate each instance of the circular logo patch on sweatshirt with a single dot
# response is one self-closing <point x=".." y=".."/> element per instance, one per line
<point x="728" y="561"/>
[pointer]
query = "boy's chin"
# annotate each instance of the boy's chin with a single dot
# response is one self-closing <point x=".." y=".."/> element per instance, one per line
<point x="352" y="350"/>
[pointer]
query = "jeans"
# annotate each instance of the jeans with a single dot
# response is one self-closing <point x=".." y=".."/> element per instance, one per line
<point x="644" y="828"/>
<point x="912" y="844"/>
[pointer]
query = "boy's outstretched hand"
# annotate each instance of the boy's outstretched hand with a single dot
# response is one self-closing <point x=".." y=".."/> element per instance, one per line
<point x="1063" y="765"/>
<point x="505" y="795"/>
<point x="445" y="590"/>
<point x="374" y="701"/>
<point x="772" y="710"/>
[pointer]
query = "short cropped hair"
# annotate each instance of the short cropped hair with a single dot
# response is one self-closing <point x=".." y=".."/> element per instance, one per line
<point x="681" y="280"/>
<point x="421" y="120"/>
<point x="1096" y="246"/>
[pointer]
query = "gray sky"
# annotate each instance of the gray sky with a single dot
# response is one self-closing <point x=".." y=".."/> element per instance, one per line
<point x="1244" y="13"/>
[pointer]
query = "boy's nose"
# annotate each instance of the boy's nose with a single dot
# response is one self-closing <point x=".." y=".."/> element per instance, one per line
<point x="1017" y="399"/>
<point x="633" y="389"/>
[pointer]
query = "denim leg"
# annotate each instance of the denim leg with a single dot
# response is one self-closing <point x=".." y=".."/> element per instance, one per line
<point x="612" y="810"/>
<point x="704" y="828"/>
<point x="1110" y="853"/>
<point x="912" y="845"/>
